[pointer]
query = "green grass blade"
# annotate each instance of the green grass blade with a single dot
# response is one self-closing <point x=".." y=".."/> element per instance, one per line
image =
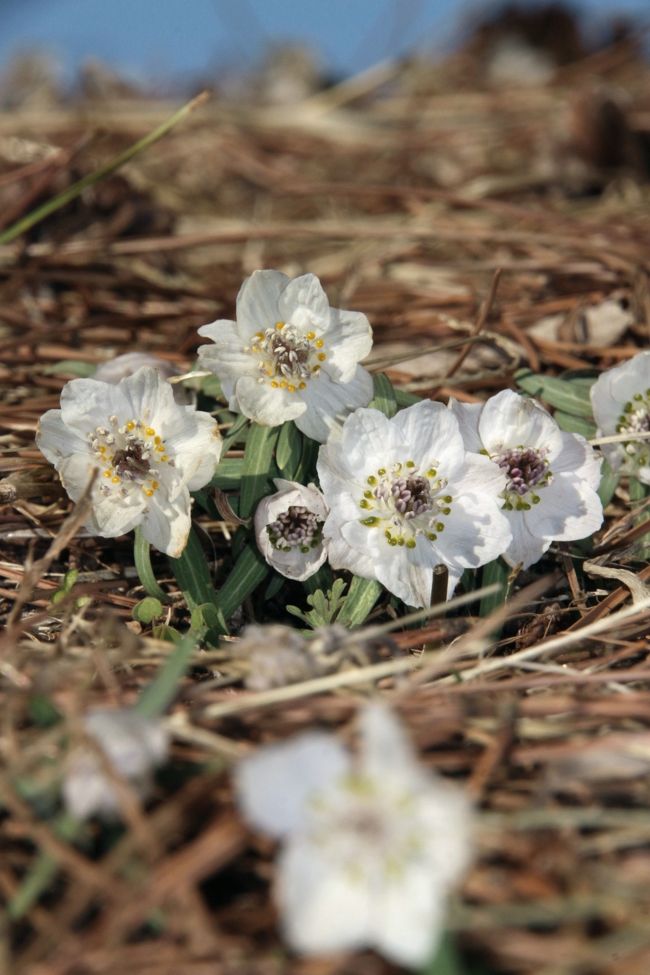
<point x="289" y="450"/>
<point x="569" y="395"/>
<point x="156" y="698"/>
<point x="384" y="398"/>
<point x="43" y="872"/>
<point x="72" y="192"/>
<point x="194" y="577"/>
<point x="249" y="571"/>
<point x="494" y="572"/>
<point x="142" y="559"/>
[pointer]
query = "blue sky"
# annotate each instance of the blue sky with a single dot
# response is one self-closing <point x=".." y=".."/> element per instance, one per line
<point x="170" y="39"/>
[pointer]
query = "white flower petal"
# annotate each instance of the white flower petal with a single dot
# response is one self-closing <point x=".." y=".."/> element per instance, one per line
<point x="323" y="909"/>
<point x="385" y="745"/>
<point x="226" y="357"/>
<point x="408" y="918"/>
<point x="430" y="432"/>
<point x="196" y="448"/>
<point x="258" y="302"/>
<point x="86" y="402"/>
<point x="526" y="548"/>
<point x="569" y="509"/>
<point x="475" y="532"/>
<point x="468" y="416"/>
<point x="275" y="784"/>
<point x="267" y="406"/>
<point x="291" y="560"/>
<point x="304" y="295"/>
<point x="56" y="441"/>
<point x="166" y="523"/>
<point x="329" y="402"/>
<point x="511" y="420"/>
<point x="349" y="341"/>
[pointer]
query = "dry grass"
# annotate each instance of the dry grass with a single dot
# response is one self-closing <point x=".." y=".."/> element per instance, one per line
<point x="405" y="199"/>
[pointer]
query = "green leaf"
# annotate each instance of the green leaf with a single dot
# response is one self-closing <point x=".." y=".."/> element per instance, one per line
<point x="258" y="468"/>
<point x="289" y="449"/>
<point x="42" y="711"/>
<point x="228" y="474"/>
<point x="142" y="559"/>
<point x="402" y="398"/>
<point x="194" y="577"/>
<point x="446" y="961"/>
<point x="384" y="398"/>
<point x="608" y="483"/>
<point x="325" y="605"/>
<point x="249" y="571"/>
<point x="155" y="698"/>
<point x="575" y="424"/>
<point x="569" y="395"/>
<point x="43" y="872"/>
<point x="306" y="469"/>
<point x="71" y="367"/>
<point x="637" y="489"/>
<point x="66" y="586"/>
<point x="147" y="610"/>
<point x="362" y="596"/>
<point x="497" y="571"/>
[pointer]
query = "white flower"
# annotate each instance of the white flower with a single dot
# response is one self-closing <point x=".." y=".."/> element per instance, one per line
<point x="150" y="453"/>
<point x="133" y="746"/>
<point x="552" y="476"/>
<point x="371" y="845"/>
<point x="289" y="356"/>
<point x="289" y="529"/>
<point x="124" y="365"/>
<point x="621" y="403"/>
<point x="404" y="495"/>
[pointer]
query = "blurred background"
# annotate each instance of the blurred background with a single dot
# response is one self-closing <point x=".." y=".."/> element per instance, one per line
<point x="162" y="47"/>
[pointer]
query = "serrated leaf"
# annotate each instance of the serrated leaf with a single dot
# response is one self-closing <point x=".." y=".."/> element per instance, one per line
<point x="147" y="610"/>
<point x="569" y="395"/>
<point x="384" y="398"/>
<point x="289" y="449"/>
<point x="142" y="559"/>
<point x="362" y="596"/>
<point x="259" y="467"/>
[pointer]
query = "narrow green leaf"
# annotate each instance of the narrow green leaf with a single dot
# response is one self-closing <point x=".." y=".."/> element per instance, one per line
<point x="499" y="572"/>
<point x="362" y="596"/>
<point x="142" y="559"/>
<point x="446" y="961"/>
<point x="43" y="871"/>
<point x="289" y="449"/>
<point x="72" y="367"/>
<point x="575" y="424"/>
<point x="384" y="399"/>
<point x="155" y="698"/>
<point x="608" y="483"/>
<point x="249" y="571"/>
<point x="402" y="398"/>
<point x="306" y="469"/>
<point x="194" y="577"/>
<point x="569" y="395"/>
<point x="637" y="490"/>
<point x="228" y="475"/>
<point x="258" y="467"/>
<point x="72" y="192"/>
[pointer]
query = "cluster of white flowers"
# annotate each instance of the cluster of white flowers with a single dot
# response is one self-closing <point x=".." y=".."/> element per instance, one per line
<point x="396" y="497"/>
<point x="371" y="845"/>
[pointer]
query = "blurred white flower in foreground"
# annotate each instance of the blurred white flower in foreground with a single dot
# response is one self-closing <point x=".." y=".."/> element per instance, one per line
<point x="289" y="356"/>
<point x="552" y="477"/>
<point x="372" y="844"/>
<point x="127" y="364"/>
<point x="133" y="746"/>
<point x="620" y="399"/>
<point x="405" y="495"/>
<point x="150" y="453"/>
<point x="289" y="529"/>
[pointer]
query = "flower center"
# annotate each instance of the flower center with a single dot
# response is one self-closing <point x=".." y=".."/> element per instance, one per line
<point x="525" y="468"/>
<point x="635" y="418"/>
<point x="405" y="502"/>
<point x="297" y="527"/>
<point x="129" y="457"/>
<point x="287" y="358"/>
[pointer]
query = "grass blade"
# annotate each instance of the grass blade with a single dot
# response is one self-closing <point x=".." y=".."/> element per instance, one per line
<point x="142" y="559"/>
<point x="258" y="467"/>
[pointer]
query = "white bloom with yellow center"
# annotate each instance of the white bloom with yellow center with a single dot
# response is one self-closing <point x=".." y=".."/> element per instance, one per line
<point x="552" y="477"/>
<point x="150" y="453"/>
<point x="621" y="403"/>
<point x="289" y="356"/>
<point x="289" y="529"/>
<point x="372" y="844"/>
<point x="405" y="495"/>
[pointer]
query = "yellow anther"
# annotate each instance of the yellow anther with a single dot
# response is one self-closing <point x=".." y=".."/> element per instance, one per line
<point x="115" y="479"/>
<point x="130" y="425"/>
<point x="310" y="336"/>
<point x="259" y="335"/>
<point x="291" y="388"/>
<point x="148" y="492"/>
<point x="274" y="384"/>
<point x="157" y="441"/>
<point x="283" y="384"/>
<point x="321" y="357"/>
<point x="319" y="343"/>
<point x="164" y="458"/>
<point x="279" y="326"/>
<point x="106" y="474"/>
<point x="155" y="485"/>
<point x="302" y="385"/>
<point x="150" y="432"/>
